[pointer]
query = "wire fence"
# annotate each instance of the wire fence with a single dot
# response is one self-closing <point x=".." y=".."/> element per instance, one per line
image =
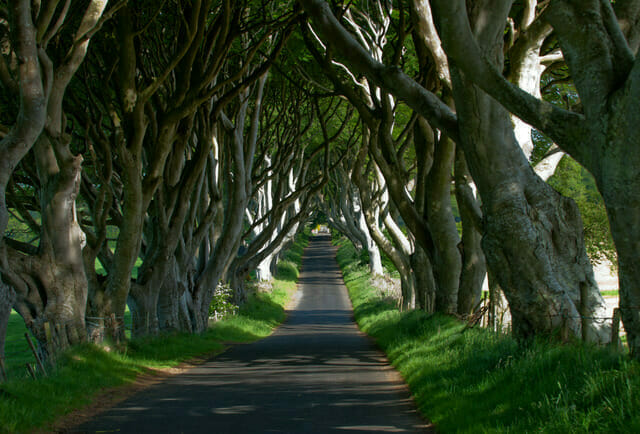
<point x="485" y="315"/>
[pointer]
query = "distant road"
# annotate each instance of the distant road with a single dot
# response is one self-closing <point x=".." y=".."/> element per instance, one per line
<point x="316" y="374"/>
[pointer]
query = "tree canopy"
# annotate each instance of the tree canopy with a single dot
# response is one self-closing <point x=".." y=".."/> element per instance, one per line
<point x="153" y="151"/>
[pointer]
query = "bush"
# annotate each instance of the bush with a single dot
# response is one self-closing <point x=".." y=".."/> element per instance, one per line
<point x="222" y="305"/>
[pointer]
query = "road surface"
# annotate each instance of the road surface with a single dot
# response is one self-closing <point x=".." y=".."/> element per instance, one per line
<point x="316" y="373"/>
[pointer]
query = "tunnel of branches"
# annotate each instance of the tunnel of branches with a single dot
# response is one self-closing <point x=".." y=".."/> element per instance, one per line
<point x="156" y="153"/>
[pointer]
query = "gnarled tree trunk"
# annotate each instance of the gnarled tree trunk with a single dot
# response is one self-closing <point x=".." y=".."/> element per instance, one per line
<point x="474" y="267"/>
<point x="29" y="124"/>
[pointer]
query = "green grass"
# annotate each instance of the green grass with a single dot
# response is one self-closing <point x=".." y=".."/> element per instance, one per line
<point x="82" y="372"/>
<point x="609" y="293"/>
<point x="480" y="381"/>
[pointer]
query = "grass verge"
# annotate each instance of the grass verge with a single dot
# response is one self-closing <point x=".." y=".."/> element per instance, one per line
<point x="82" y="372"/>
<point x="478" y="381"/>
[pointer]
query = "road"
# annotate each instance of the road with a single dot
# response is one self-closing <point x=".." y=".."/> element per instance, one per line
<point x="316" y="373"/>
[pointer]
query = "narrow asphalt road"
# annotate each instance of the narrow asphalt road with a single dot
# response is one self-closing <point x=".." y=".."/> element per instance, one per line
<point x="316" y="373"/>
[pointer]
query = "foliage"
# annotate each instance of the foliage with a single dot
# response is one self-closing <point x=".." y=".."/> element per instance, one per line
<point x="474" y="380"/>
<point x="222" y="305"/>
<point x="574" y="181"/>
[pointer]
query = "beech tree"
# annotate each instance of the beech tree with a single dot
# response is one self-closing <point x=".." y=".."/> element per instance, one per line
<point x="346" y="213"/>
<point x="599" y="41"/>
<point x="162" y="116"/>
<point x="549" y="284"/>
<point x="429" y="216"/>
<point x="19" y="132"/>
<point x="49" y="279"/>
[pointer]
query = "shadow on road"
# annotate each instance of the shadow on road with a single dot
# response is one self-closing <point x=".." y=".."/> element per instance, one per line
<point x="316" y="373"/>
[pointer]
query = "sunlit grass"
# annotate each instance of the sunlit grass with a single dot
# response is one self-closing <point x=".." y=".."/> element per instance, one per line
<point x="475" y="380"/>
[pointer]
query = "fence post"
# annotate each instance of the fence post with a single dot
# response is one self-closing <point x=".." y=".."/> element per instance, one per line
<point x="115" y="328"/>
<point x="615" y="329"/>
<point x="3" y="371"/>
<point x="49" y="337"/>
<point x="564" y="328"/>
<point x="35" y="354"/>
<point x="30" y="370"/>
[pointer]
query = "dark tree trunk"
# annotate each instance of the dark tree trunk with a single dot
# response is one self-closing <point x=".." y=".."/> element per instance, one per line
<point x="29" y="124"/>
<point x="51" y="286"/>
<point x="474" y="268"/>
<point x="143" y="305"/>
<point x="425" y="283"/>
<point x="447" y="258"/>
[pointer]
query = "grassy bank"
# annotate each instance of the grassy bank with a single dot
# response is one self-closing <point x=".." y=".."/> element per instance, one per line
<point x="477" y="381"/>
<point x="84" y="371"/>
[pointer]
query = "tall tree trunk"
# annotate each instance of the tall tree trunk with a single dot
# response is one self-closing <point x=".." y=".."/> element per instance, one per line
<point x="375" y="259"/>
<point x="109" y="301"/>
<point x="474" y="268"/>
<point x="29" y="124"/>
<point x="54" y="290"/>
<point x="533" y="236"/>
<point x="447" y="258"/>
<point x="425" y="283"/>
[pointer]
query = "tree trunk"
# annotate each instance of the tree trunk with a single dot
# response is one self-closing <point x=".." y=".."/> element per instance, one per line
<point x="143" y="305"/>
<point x="623" y="208"/>
<point x="474" y="268"/>
<point x="425" y="283"/>
<point x="263" y="271"/>
<point x="447" y="258"/>
<point x="29" y="124"/>
<point x="51" y="299"/>
<point x="375" y="259"/>
<point x="51" y="286"/>
<point x="533" y="238"/>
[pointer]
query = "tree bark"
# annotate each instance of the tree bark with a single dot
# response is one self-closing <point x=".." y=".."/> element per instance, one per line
<point x="29" y="124"/>
<point x="474" y="268"/>
<point x="447" y="258"/>
<point x="532" y="236"/>
<point x="54" y="295"/>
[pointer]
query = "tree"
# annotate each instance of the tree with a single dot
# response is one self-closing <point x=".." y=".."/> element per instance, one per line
<point x="550" y="285"/>
<point x="49" y="281"/>
<point x="603" y="64"/>
<point x="27" y="125"/>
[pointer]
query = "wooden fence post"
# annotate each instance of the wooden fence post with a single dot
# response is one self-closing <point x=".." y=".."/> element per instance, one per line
<point x="615" y="329"/>
<point x="3" y="370"/>
<point x="30" y="370"/>
<point x="49" y="337"/>
<point x="35" y="354"/>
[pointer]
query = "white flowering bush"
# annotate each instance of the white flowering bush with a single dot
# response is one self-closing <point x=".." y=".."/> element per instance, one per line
<point x="387" y="287"/>
<point x="222" y="304"/>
